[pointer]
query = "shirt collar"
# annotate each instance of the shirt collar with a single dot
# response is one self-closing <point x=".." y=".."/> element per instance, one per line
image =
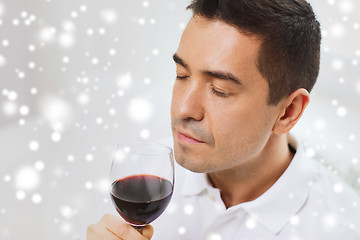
<point x="194" y="183"/>
<point x="274" y="208"/>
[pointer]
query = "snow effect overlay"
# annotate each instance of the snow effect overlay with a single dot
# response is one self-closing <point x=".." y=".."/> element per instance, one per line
<point x="79" y="76"/>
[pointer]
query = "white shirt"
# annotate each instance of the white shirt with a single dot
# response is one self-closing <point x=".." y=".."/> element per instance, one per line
<point x="307" y="202"/>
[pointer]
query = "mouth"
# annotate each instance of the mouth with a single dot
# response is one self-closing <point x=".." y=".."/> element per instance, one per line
<point x="187" y="138"/>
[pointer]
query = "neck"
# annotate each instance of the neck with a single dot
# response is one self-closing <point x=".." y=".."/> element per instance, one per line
<point x="251" y="179"/>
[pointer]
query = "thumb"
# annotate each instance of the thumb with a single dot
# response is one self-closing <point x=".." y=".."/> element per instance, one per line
<point x="147" y="231"/>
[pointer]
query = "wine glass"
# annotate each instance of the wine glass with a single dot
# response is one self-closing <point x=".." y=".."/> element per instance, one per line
<point x="142" y="181"/>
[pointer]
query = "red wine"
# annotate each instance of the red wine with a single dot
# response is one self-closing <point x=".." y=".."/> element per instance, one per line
<point x="140" y="199"/>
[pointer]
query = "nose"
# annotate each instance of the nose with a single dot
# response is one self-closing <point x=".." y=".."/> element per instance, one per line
<point x="187" y="102"/>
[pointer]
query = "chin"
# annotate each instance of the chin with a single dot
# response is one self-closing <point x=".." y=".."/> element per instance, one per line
<point x="191" y="165"/>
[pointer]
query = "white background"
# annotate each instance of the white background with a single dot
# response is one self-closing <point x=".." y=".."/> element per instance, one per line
<point x="77" y="76"/>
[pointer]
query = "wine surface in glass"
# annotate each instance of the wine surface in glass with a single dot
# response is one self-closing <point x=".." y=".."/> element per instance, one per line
<point x="140" y="199"/>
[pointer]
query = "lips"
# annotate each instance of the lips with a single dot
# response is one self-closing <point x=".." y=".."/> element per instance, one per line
<point x="187" y="138"/>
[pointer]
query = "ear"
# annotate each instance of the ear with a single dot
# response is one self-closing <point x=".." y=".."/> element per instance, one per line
<point x="292" y="109"/>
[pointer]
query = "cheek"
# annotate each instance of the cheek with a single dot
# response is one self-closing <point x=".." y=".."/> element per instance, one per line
<point x="242" y="133"/>
<point x="229" y="123"/>
<point x="173" y="101"/>
<point x="172" y="108"/>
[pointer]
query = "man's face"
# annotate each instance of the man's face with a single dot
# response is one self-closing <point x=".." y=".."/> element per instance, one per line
<point x="219" y="111"/>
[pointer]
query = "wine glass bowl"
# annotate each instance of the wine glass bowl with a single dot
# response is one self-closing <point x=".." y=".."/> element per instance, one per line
<point x="142" y="181"/>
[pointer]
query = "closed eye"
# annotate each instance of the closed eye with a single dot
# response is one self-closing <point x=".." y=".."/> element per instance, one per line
<point x="181" y="77"/>
<point x="219" y="93"/>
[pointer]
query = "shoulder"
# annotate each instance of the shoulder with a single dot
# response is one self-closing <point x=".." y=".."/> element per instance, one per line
<point x="340" y="202"/>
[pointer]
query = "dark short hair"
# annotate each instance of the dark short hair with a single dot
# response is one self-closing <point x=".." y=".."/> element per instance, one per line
<point x="289" y="56"/>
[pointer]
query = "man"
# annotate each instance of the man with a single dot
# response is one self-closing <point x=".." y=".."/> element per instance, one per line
<point x="244" y="72"/>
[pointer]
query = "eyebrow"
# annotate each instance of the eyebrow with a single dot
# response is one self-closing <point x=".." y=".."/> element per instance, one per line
<point x="222" y="75"/>
<point x="216" y="74"/>
<point x="179" y="61"/>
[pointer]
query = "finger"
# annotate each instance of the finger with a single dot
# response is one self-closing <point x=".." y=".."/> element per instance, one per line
<point x="120" y="228"/>
<point x="98" y="232"/>
<point x="147" y="231"/>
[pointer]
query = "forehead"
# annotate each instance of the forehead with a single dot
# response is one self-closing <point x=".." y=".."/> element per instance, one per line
<point x="209" y="44"/>
<point x="216" y="42"/>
